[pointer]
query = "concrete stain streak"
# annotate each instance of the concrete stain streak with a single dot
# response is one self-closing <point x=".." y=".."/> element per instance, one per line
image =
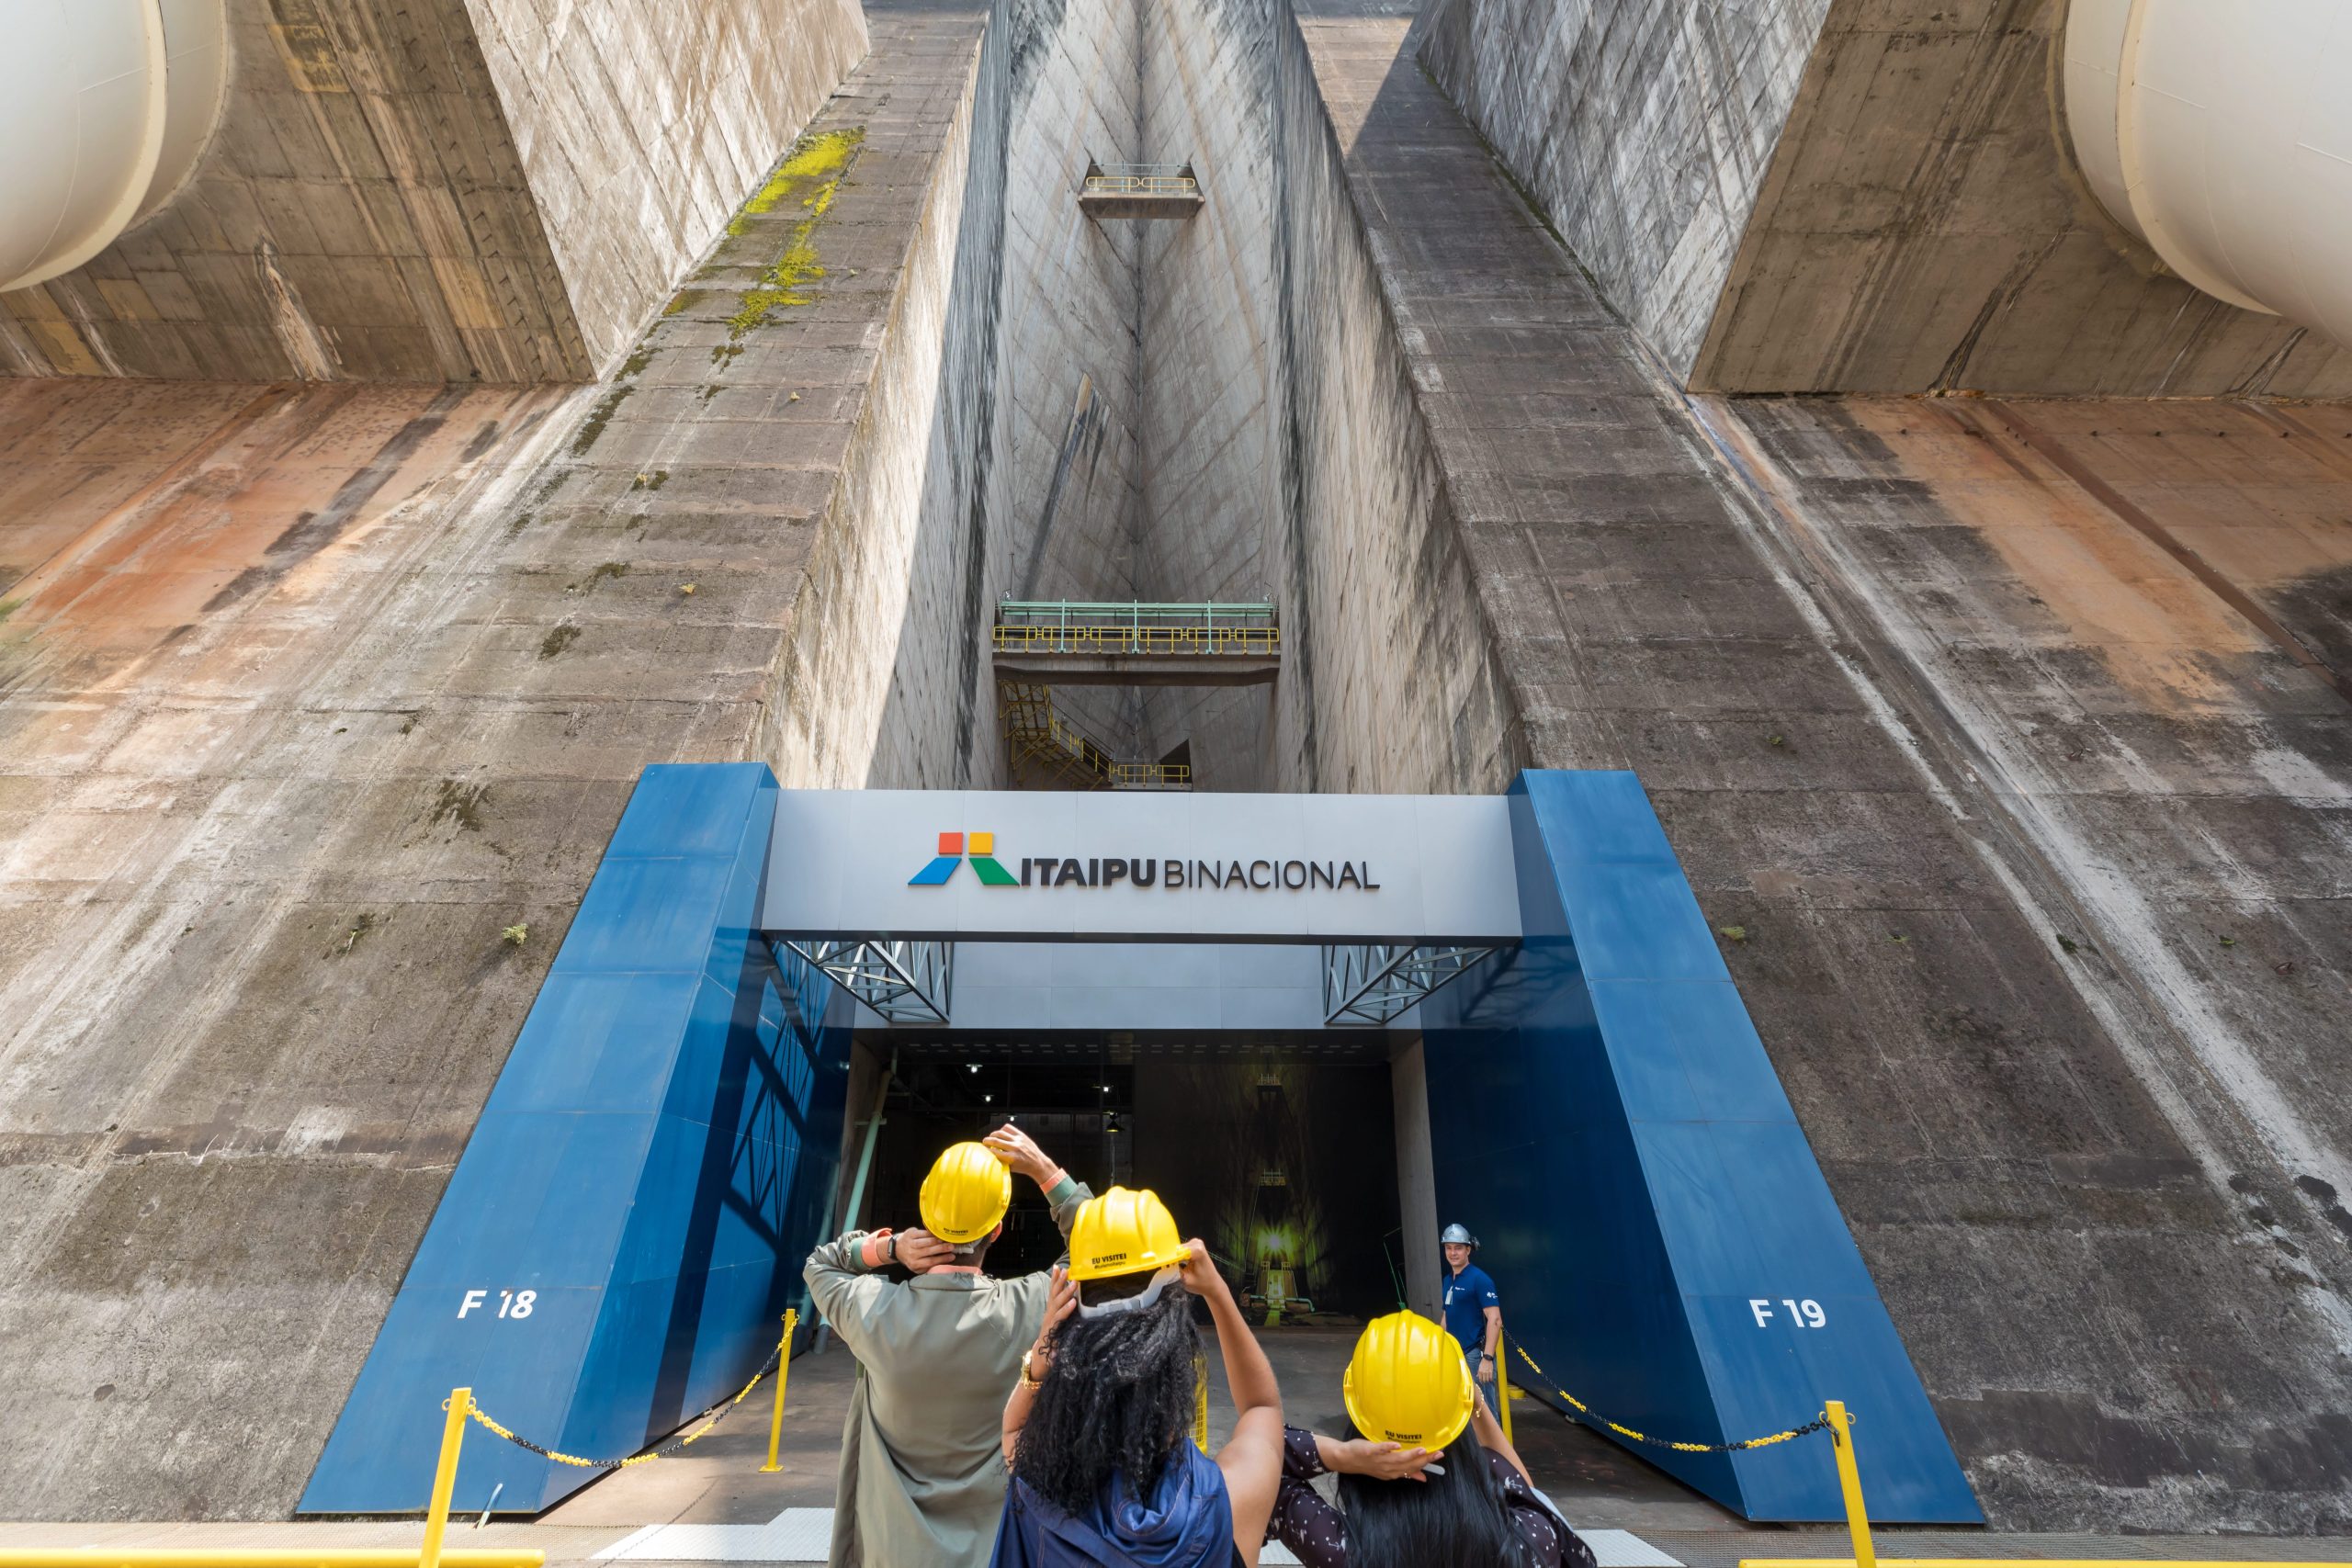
<point x="256" y="859"/>
<point x="1869" y="700"/>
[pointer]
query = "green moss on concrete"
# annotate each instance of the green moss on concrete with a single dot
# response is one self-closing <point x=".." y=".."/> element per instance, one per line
<point x="817" y="164"/>
<point x="598" y="417"/>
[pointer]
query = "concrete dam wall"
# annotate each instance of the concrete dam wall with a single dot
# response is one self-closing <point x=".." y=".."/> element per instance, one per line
<point x="2003" y="743"/>
<point x="1215" y="407"/>
<point x="909" y="378"/>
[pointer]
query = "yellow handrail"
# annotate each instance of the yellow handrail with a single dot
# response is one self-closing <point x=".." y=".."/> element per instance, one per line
<point x="782" y="1374"/>
<point x="1142" y="185"/>
<point x="1166" y="641"/>
<point x="260" y="1557"/>
<point x="430" y="1554"/>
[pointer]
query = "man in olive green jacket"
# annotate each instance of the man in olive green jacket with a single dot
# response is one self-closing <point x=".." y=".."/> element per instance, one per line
<point x="922" y="1478"/>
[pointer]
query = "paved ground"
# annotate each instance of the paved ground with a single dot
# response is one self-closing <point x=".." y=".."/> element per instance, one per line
<point x="718" y="1480"/>
<point x="713" y="1502"/>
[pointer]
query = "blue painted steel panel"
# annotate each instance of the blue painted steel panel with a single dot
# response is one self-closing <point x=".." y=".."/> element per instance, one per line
<point x="1606" y="1119"/>
<point x="654" y="1162"/>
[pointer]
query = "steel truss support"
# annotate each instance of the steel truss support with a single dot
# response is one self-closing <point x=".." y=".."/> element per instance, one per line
<point x="906" y="982"/>
<point x="1375" y="983"/>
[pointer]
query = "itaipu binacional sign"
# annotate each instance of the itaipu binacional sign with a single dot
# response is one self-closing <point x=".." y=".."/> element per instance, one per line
<point x="1115" y="867"/>
<point x="1109" y="870"/>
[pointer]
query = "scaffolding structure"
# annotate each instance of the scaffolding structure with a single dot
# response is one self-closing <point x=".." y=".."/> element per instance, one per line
<point x="1040" y="738"/>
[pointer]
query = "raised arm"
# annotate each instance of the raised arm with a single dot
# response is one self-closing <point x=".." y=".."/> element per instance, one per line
<point x="844" y="1280"/>
<point x="1021" y="1154"/>
<point x="1061" y="1301"/>
<point x="1489" y="1433"/>
<point x="1253" y="1459"/>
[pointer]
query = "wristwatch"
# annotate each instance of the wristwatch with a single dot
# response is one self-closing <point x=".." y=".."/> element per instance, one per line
<point x="892" y="1251"/>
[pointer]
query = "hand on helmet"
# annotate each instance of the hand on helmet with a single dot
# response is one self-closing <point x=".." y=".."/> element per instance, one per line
<point x="1198" y="1271"/>
<point x="919" y="1251"/>
<point x="1383" y="1461"/>
<point x="1019" y="1151"/>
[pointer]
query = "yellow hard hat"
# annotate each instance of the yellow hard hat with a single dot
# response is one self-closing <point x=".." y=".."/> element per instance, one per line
<point x="966" y="1194"/>
<point x="1124" y="1232"/>
<point x="1408" y="1382"/>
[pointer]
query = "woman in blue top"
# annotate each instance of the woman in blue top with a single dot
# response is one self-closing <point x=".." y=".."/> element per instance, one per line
<point x="1098" y="1431"/>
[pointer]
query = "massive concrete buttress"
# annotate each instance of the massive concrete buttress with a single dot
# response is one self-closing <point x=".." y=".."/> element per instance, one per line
<point x="464" y="190"/>
<point x="2007" y="756"/>
<point x="2004" y="742"/>
<point x="318" y="706"/>
<point x="1822" y="195"/>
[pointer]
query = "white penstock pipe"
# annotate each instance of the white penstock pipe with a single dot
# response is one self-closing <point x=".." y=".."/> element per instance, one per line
<point x="2220" y="131"/>
<point x="104" y="108"/>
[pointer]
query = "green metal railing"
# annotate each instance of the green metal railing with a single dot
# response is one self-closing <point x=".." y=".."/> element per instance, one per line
<point x="1082" y="627"/>
<point x="1141" y="179"/>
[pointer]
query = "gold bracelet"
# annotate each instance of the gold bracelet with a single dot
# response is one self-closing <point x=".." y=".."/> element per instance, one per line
<point x="1032" y="1384"/>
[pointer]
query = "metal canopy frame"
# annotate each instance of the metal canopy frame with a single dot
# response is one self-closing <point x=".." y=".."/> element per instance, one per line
<point x="1375" y="983"/>
<point x="906" y="982"/>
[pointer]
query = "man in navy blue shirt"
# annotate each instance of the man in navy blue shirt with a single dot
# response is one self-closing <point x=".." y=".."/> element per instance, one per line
<point x="1473" y="1313"/>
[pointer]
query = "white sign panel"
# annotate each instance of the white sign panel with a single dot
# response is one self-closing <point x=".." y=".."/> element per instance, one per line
<point x="936" y="864"/>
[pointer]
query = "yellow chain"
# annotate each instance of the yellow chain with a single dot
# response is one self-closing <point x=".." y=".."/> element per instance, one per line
<point x="1817" y="1424"/>
<point x="710" y="1419"/>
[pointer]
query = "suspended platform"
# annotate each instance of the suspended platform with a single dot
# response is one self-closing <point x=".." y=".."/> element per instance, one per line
<point x="1140" y="190"/>
<point x="1072" y="643"/>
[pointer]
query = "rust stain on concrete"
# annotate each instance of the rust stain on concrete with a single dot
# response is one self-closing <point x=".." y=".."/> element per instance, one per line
<point x="2155" y="535"/>
<point x="161" y="505"/>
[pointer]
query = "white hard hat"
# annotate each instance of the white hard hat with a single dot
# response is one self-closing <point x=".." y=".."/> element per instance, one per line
<point x="1457" y="1235"/>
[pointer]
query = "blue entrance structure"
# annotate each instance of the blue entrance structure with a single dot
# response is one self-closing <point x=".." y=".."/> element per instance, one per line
<point x="624" y="1229"/>
<point x="1603" y="1114"/>
<point x="662" y="1150"/>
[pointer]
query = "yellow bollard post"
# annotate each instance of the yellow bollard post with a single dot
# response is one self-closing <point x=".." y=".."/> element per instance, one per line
<point x="1502" y="1402"/>
<point x="445" y="1477"/>
<point x="783" y="1373"/>
<point x="1849" y="1481"/>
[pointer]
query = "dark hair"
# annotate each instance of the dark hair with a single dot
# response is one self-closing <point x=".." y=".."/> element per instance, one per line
<point x="1118" y="1398"/>
<point x="1458" y="1519"/>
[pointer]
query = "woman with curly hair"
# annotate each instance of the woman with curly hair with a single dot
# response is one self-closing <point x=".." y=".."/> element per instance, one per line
<point x="1098" y="1431"/>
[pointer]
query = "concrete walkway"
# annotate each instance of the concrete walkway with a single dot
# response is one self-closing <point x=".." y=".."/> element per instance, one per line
<point x="712" y="1503"/>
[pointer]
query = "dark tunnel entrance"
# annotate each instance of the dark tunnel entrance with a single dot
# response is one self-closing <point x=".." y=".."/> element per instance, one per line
<point x="1281" y="1155"/>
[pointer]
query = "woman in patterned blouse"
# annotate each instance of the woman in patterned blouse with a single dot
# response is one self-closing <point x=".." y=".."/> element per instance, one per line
<point x="1470" y="1506"/>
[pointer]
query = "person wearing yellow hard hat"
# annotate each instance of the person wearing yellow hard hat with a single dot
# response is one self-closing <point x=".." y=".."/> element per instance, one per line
<point x="1427" y="1476"/>
<point x="1099" y="1429"/>
<point x="921" y="1479"/>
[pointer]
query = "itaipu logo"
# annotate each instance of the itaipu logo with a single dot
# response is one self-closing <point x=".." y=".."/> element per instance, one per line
<point x="1176" y="875"/>
<point x="951" y="855"/>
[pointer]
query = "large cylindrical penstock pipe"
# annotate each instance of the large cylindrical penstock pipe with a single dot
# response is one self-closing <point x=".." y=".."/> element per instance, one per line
<point x="105" y="106"/>
<point x="2223" y="137"/>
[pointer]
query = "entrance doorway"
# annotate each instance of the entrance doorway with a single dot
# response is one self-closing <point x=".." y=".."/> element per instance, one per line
<point x="1280" y="1153"/>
